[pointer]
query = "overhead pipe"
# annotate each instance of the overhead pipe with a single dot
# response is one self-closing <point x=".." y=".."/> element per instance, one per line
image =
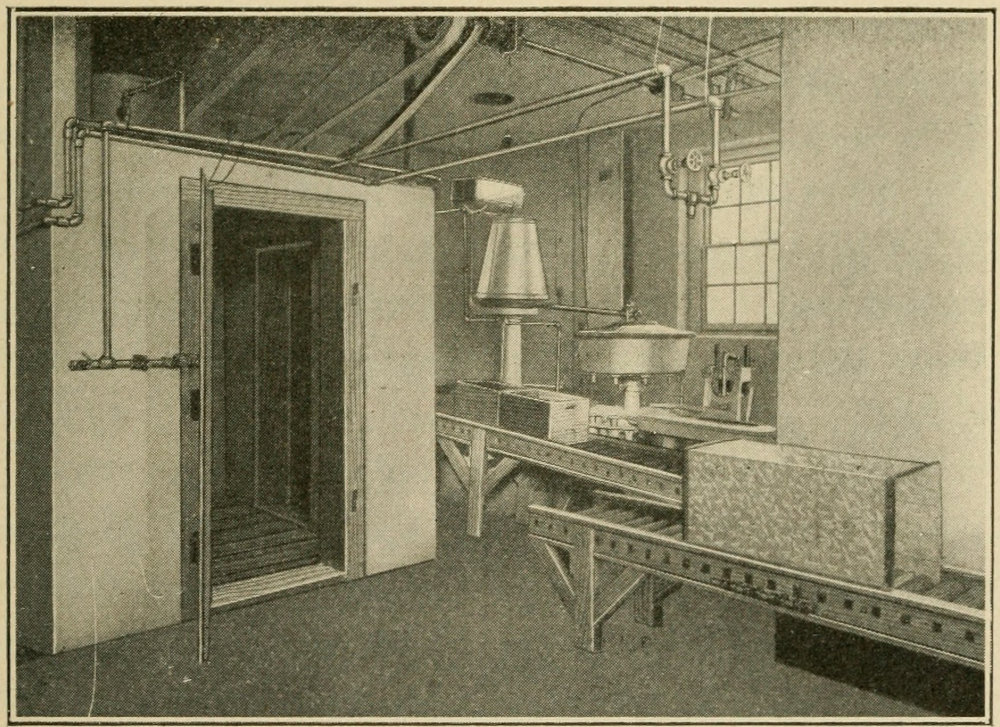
<point x="411" y="108"/>
<point x="76" y="130"/>
<point x="679" y="108"/>
<point x="593" y="65"/>
<point x="211" y="144"/>
<point x="758" y="49"/>
<point x="541" y="104"/>
<point x="692" y="71"/>
<point x="519" y="111"/>
<point x="448" y="41"/>
<point x="685" y="106"/>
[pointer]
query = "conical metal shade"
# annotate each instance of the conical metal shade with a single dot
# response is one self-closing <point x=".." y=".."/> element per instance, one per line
<point x="512" y="274"/>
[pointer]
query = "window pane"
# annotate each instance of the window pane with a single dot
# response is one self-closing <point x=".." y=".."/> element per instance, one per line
<point x="750" y="264"/>
<point x="775" y="214"/>
<point x="725" y="224"/>
<point x="758" y="187"/>
<point x="719" y="267"/>
<point x="729" y="192"/>
<point x="772" y="263"/>
<point x="754" y="222"/>
<point x="775" y="180"/>
<point x="719" y="304"/>
<point x="772" y="304"/>
<point x="750" y="304"/>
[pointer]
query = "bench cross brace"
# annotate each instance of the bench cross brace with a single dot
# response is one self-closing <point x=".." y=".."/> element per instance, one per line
<point x="478" y="475"/>
<point x="591" y="595"/>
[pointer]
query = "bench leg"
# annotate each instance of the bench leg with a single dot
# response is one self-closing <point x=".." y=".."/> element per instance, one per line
<point x="647" y="606"/>
<point x="476" y="484"/>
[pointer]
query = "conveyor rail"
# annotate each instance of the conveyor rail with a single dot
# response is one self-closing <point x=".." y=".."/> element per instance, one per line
<point x="948" y="621"/>
<point x="633" y="468"/>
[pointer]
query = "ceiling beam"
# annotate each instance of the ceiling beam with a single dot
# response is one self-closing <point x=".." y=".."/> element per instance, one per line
<point x="318" y="90"/>
<point x="260" y="54"/>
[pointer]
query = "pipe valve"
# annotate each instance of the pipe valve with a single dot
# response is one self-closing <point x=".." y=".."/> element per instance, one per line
<point x="693" y="162"/>
<point x="742" y="172"/>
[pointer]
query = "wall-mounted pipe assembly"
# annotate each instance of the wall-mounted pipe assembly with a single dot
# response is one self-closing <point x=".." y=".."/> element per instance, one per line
<point x="75" y="131"/>
<point x="107" y="360"/>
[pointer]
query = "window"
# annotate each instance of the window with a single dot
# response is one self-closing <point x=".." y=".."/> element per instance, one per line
<point x="741" y="250"/>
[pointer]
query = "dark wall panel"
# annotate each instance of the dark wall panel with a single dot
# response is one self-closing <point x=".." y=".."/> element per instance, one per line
<point x="33" y="343"/>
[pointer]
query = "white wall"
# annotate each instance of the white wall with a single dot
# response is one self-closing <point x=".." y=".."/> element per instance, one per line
<point x="116" y="506"/>
<point x="886" y="249"/>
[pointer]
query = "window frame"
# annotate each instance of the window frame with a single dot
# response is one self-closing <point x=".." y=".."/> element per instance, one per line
<point x="766" y="149"/>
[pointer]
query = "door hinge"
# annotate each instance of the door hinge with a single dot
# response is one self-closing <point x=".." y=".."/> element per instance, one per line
<point x="195" y="547"/>
<point x="195" y="404"/>
<point x="195" y="259"/>
<point x="354" y="500"/>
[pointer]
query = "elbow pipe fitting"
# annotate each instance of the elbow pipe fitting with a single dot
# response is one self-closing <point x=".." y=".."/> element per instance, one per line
<point x="73" y="140"/>
<point x="69" y="134"/>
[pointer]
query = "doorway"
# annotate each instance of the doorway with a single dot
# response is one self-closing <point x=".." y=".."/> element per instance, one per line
<point x="272" y="430"/>
<point x="275" y="506"/>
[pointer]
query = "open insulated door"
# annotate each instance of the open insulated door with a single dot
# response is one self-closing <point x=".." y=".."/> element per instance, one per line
<point x="196" y="312"/>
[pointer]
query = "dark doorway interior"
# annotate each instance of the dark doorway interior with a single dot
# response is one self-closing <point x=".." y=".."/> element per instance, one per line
<point x="277" y="459"/>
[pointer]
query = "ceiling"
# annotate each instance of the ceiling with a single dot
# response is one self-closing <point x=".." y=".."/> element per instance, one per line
<point x="275" y="79"/>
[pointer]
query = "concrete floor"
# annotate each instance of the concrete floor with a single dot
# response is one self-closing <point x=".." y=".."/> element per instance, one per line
<point x="479" y="632"/>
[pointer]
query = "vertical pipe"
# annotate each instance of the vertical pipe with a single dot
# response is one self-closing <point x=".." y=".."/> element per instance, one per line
<point x="665" y="72"/>
<point x="715" y="103"/>
<point x="181" y="101"/>
<point x="467" y="289"/>
<point x="106" y="241"/>
<point x="682" y="263"/>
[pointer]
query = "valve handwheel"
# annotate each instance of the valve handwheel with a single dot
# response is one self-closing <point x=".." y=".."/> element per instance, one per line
<point x="694" y="160"/>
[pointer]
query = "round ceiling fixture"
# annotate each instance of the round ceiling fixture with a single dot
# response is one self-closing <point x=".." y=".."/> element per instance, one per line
<point x="492" y="98"/>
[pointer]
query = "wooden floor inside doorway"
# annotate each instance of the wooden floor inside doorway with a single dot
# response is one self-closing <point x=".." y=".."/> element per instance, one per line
<point x="248" y="542"/>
